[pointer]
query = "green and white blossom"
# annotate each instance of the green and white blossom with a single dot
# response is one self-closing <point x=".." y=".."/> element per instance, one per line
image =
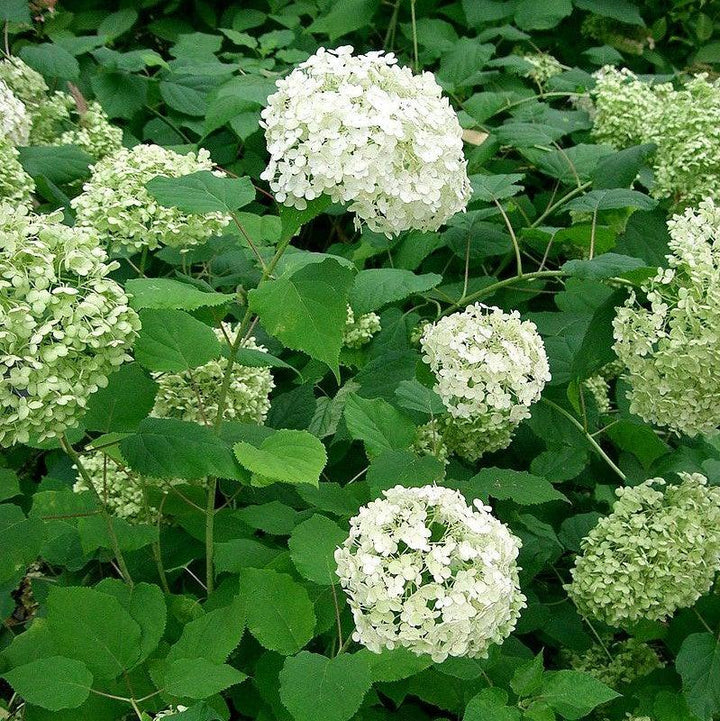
<point x="64" y="325"/>
<point x="14" y="118"/>
<point x="94" y="133"/>
<point x="117" y="205"/>
<point x="359" y="331"/>
<point x="194" y="395"/>
<point x="658" y="550"/>
<point x="425" y="571"/>
<point x="631" y="660"/>
<point x="490" y="367"/>
<point x="368" y="133"/>
<point x="669" y="344"/>
<point x="543" y="67"/>
<point x="16" y="186"/>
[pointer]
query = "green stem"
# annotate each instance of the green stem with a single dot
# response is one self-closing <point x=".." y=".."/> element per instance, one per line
<point x="568" y="196"/>
<point x="413" y="21"/>
<point x="490" y="289"/>
<point x="513" y="237"/>
<point x="591" y="440"/>
<point x="67" y="447"/>
<point x="222" y="400"/>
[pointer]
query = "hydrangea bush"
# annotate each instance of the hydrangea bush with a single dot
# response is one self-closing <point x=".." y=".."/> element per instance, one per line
<point x="329" y="334"/>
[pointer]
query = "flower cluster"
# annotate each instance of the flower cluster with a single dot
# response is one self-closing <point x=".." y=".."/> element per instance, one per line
<point x="684" y="124"/>
<point x="668" y="344"/>
<point x="64" y="325"/>
<point x="14" y="120"/>
<point x="369" y="133"/>
<point x="490" y="367"/>
<point x="16" y="186"/>
<point x="116" y="203"/>
<point x="94" y="133"/>
<point x="429" y="441"/>
<point x="425" y="571"/>
<point x="543" y="67"/>
<point x="122" y="491"/>
<point x="631" y="660"/>
<point x="359" y="331"/>
<point x="172" y="711"/>
<point x="656" y="552"/>
<point x="194" y="395"/>
<point x="599" y="385"/>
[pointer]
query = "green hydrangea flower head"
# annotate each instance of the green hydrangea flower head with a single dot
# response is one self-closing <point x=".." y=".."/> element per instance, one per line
<point x="631" y="660"/>
<point x="429" y="441"/>
<point x="543" y="67"/>
<point x="116" y="203"/>
<point x="668" y="343"/>
<point x="658" y="550"/>
<point x="123" y="492"/>
<point x="94" y="134"/>
<point x="16" y="186"/>
<point x="64" y="324"/>
<point x="194" y="395"/>
<point x="26" y="83"/>
<point x="359" y="331"/>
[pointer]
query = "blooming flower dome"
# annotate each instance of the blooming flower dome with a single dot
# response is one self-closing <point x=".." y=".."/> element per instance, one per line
<point x="194" y="395"/>
<point x="94" y="134"/>
<point x="369" y="133"/>
<point x="116" y="203"/>
<point x="490" y="368"/>
<point x="659" y="550"/>
<point x="64" y="325"/>
<point x="670" y="344"/>
<point x="425" y="571"/>
<point x="14" y="119"/>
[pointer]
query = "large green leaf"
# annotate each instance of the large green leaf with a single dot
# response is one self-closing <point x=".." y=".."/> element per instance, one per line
<point x="521" y="487"/>
<point x="316" y="688"/>
<point x="171" y="294"/>
<point x="574" y="694"/>
<point x="698" y="663"/>
<point x="372" y="289"/>
<point x="307" y="309"/>
<point x="312" y="546"/>
<point x="200" y="678"/>
<point x="380" y="426"/>
<point x="344" y="17"/>
<point x="52" y="683"/>
<point x="202" y="192"/>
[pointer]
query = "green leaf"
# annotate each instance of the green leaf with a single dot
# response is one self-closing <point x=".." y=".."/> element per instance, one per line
<point x="200" y="678"/>
<point x="506" y="484"/>
<point x="279" y="611"/>
<point x="51" y="61"/>
<point x="495" y="187"/>
<point x="119" y="407"/>
<point x="622" y="10"/>
<point x="490" y="705"/>
<point x="15" y="11"/>
<point x="606" y="265"/>
<point x="165" y="293"/>
<point x="372" y="289"/>
<point x="316" y="688"/>
<point x="532" y="15"/>
<point x="213" y="636"/>
<point x="597" y="200"/>
<point x="60" y="164"/>
<point x="414" y="396"/>
<point x="120" y="94"/>
<point x="527" y="679"/>
<point x="462" y="66"/>
<point x="20" y="539"/>
<point x="292" y="220"/>
<point x="93" y="627"/>
<point x="232" y="556"/>
<point x="638" y="439"/>
<point x="287" y="456"/>
<point x="52" y="683"/>
<point x="395" y="664"/>
<point x="391" y="468"/>
<point x="698" y="663"/>
<point x="202" y="192"/>
<point x="380" y="426"/>
<point x="620" y="169"/>
<point x="9" y="484"/>
<point x="94" y="534"/>
<point x="573" y="694"/>
<point x="174" y="341"/>
<point x="312" y="547"/>
<point x="169" y="448"/>
<point x="307" y="310"/>
<point x="344" y="17"/>
<point x="183" y="98"/>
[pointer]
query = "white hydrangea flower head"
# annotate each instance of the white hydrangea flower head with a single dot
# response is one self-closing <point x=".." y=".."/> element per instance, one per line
<point x="116" y="203"/>
<point x="668" y="344"/>
<point x="359" y="331"/>
<point x="16" y="186"/>
<point x="94" y="134"/>
<point x="369" y="133"/>
<point x="24" y="81"/>
<point x="194" y="395"/>
<point x="658" y="550"/>
<point x="425" y="571"/>
<point x="490" y="367"/>
<point x="14" y="119"/>
<point x="122" y="491"/>
<point x="631" y="660"/>
<point x="64" y="324"/>
<point x="544" y="67"/>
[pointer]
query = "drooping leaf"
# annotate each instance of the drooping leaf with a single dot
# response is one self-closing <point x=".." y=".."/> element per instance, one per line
<point x="372" y="289"/>
<point x="165" y="293"/>
<point x="202" y="192"/>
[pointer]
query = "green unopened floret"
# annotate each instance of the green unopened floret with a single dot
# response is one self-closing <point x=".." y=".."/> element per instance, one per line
<point x="658" y="550"/>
